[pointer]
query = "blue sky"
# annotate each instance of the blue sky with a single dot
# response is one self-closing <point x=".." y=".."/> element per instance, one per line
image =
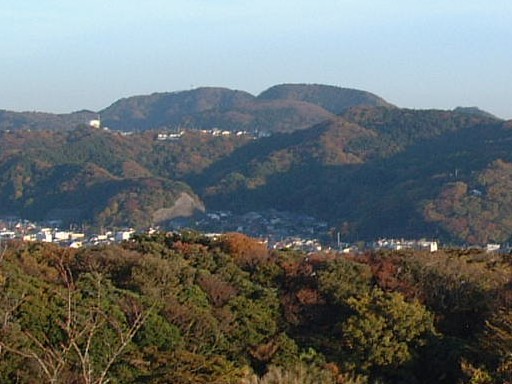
<point x="64" y="55"/>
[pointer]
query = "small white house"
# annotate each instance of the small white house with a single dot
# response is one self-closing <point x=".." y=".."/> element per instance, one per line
<point x="96" y="123"/>
<point x="76" y="236"/>
<point x="30" y="237"/>
<point x="7" y="234"/>
<point x="123" y="235"/>
<point x="492" y="247"/>
<point x="44" y="236"/>
<point x="61" y="235"/>
<point x="430" y="246"/>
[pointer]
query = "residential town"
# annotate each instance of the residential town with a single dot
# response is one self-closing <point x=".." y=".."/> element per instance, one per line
<point x="50" y="232"/>
<point x="178" y="134"/>
<point x="278" y="230"/>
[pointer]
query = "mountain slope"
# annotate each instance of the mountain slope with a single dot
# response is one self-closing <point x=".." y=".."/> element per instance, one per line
<point x="171" y="109"/>
<point x="103" y="178"/>
<point x="372" y="173"/>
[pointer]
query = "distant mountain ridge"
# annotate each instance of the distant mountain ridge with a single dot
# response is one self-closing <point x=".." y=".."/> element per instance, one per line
<point x="281" y="108"/>
<point x="37" y="121"/>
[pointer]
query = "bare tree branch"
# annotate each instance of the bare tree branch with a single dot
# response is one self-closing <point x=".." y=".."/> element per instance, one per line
<point x="82" y="325"/>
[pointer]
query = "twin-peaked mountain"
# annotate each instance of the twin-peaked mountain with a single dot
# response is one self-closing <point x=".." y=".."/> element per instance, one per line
<point x="282" y="108"/>
<point x="370" y="169"/>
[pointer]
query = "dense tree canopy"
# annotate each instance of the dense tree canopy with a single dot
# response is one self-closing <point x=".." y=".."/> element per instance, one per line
<point x="185" y="308"/>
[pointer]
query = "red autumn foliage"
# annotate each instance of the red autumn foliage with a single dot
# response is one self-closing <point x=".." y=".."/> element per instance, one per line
<point x="219" y="292"/>
<point x="247" y="252"/>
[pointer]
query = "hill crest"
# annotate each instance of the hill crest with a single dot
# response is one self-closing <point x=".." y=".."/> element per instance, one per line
<point x="282" y="108"/>
<point x="332" y="98"/>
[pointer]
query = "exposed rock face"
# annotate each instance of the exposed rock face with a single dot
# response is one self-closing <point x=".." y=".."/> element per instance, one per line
<point x="185" y="206"/>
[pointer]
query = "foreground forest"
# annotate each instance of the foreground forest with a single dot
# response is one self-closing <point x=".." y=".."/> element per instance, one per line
<point x="185" y="308"/>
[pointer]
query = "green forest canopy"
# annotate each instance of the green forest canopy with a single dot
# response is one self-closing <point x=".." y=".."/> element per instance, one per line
<point x="184" y="308"/>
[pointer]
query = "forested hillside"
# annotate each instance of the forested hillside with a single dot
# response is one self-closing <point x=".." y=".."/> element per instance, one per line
<point x="100" y="177"/>
<point x="373" y="170"/>
<point x="183" y="308"/>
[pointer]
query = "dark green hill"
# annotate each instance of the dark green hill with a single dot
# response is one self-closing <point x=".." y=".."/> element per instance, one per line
<point x="208" y="108"/>
<point x="171" y="109"/>
<point x="280" y="109"/>
<point x="334" y="99"/>
<point x="376" y="172"/>
<point x="102" y="177"/>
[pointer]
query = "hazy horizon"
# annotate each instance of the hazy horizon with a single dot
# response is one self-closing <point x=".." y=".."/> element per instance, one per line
<point x="62" y="56"/>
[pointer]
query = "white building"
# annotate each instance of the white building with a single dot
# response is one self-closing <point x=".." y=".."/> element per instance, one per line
<point x="44" y="236"/>
<point x="430" y="246"/>
<point x="123" y="235"/>
<point x="96" y="123"/>
<point x="492" y="247"/>
<point x="61" y="236"/>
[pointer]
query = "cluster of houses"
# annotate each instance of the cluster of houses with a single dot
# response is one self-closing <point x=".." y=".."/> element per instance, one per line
<point x="400" y="244"/>
<point x="297" y="243"/>
<point x="220" y="132"/>
<point x="278" y="230"/>
<point x="28" y="231"/>
<point x="169" y="136"/>
<point x="163" y="136"/>
<point x="178" y="133"/>
<point x="431" y="246"/>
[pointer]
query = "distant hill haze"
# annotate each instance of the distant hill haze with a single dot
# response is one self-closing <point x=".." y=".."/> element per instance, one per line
<point x="281" y="108"/>
<point x="38" y="121"/>
<point x="368" y="168"/>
